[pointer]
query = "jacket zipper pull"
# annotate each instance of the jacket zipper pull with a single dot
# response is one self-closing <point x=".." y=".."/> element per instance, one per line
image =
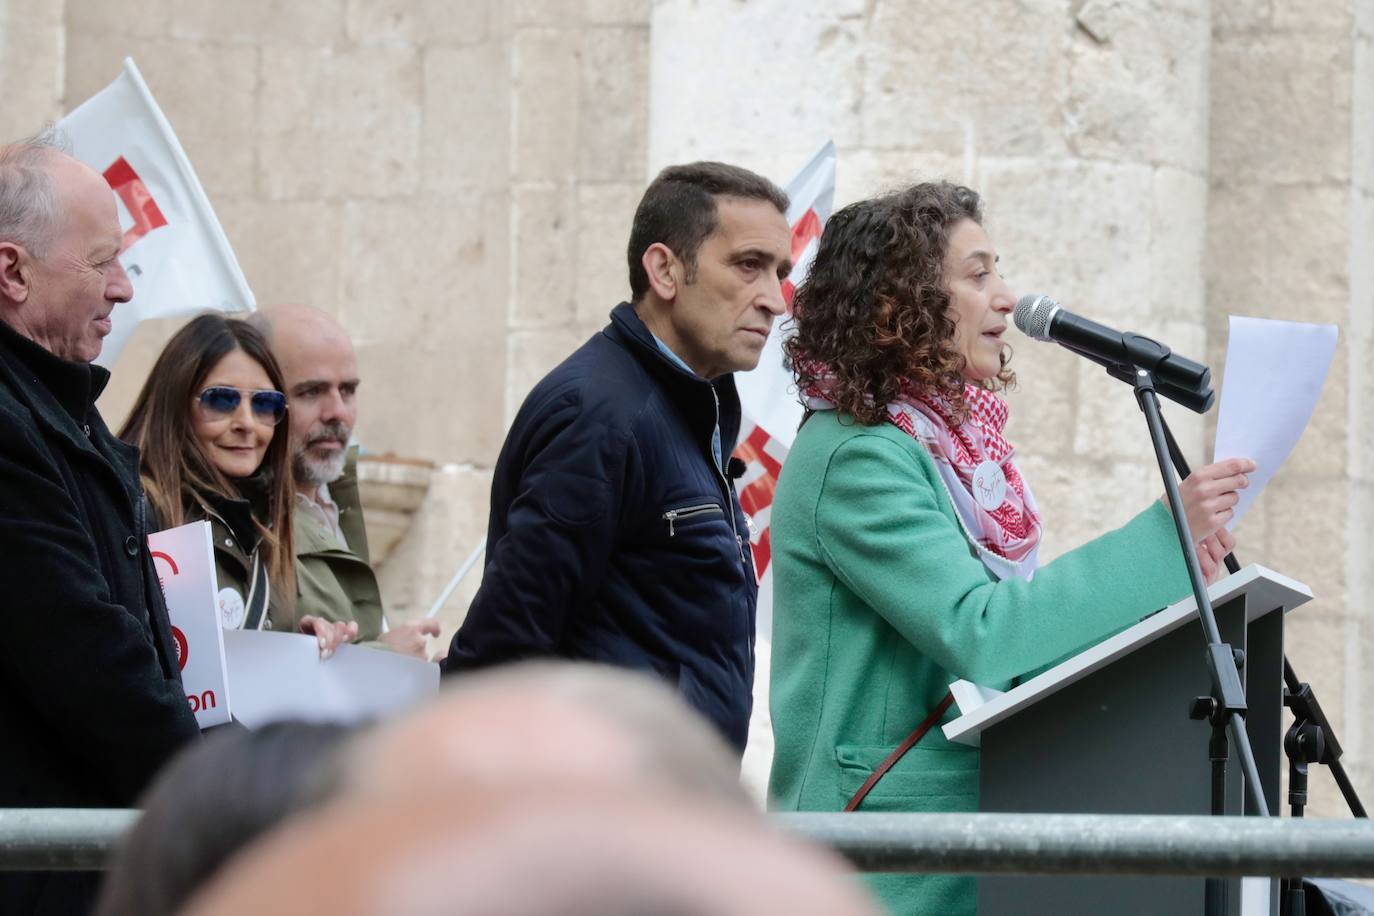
<point x="671" y="516"/>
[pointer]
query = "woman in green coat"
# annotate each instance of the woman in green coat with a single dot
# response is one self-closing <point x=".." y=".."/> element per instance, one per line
<point x="210" y="424"/>
<point x="906" y="540"/>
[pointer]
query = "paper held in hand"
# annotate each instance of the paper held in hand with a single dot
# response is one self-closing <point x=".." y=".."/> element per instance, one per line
<point x="1275" y="371"/>
<point x="185" y="561"/>
<point x="281" y="676"/>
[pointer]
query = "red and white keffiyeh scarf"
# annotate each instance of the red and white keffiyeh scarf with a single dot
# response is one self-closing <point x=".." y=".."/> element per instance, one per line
<point x="992" y="500"/>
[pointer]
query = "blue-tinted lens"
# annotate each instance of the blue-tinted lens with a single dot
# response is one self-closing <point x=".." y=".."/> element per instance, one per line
<point x="220" y="400"/>
<point x="269" y="406"/>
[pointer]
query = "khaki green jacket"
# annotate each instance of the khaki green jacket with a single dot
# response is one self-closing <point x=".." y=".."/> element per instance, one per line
<point x="880" y="602"/>
<point x="331" y="582"/>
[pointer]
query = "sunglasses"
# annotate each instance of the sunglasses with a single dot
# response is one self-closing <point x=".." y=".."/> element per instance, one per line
<point x="268" y="406"/>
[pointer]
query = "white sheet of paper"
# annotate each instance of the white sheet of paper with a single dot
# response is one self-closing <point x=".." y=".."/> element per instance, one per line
<point x="276" y="676"/>
<point x="1274" y="374"/>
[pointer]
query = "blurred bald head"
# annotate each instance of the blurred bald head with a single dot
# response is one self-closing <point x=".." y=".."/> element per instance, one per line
<point x="546" y="724"/>
<point x="321" y="372"/>
<point x="613" y="853"/>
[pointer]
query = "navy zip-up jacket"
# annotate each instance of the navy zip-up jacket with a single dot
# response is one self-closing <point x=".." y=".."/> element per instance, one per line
<point x="614" y="537"/>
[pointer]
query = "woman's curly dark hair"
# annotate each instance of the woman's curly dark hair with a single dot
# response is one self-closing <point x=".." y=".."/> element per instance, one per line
<point x="872" y="317"/>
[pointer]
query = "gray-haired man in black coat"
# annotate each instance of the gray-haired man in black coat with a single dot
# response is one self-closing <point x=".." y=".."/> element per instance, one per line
<point x="91" y="702"/>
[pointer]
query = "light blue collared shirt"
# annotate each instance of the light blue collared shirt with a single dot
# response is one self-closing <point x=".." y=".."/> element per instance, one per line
<point x="715" y="435"/>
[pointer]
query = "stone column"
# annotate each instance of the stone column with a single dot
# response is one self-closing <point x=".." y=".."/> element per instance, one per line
<point x="562" y="90"/>
<point x="1291" y="228"/>
<point x="579" y="112"/>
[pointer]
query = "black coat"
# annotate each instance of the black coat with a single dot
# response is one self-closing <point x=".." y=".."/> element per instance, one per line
<point x="614" y="537"/>
<point x="91" y="702"/>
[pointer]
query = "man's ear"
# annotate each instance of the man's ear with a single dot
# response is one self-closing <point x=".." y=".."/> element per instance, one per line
<point x="663" y="269"/>
<point x="14" y="275"/>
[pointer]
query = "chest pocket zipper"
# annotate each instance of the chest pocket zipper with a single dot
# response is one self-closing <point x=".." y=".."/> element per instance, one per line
<point x="672" y="515"/>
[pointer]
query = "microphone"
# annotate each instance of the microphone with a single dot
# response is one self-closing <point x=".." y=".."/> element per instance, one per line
<point x="1121" y="354"/>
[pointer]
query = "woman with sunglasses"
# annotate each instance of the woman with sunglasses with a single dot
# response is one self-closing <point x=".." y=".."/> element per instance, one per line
<point x="211" y="425"/>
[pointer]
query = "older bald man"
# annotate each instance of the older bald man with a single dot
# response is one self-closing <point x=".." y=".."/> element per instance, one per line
<point x="333" y="571"/>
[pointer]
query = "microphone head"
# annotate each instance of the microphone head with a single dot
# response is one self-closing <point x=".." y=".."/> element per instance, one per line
<point x="1033" y="313"/>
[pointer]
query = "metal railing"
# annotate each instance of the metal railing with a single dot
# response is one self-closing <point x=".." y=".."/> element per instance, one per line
<point x="1092" y="844"/>
<point x="1046" y="844"/>
<point x="67" y="839"/>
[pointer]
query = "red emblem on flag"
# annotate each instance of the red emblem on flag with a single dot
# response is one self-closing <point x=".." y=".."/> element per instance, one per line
<point x="137" y="200"/>
<point x="762" y="454"/>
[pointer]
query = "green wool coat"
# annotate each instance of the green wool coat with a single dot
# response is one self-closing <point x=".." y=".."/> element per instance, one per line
<point x="880" y="602"/>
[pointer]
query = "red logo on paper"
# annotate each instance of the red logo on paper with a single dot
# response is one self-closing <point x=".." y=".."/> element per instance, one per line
<point x="166" y="558"/>
<point x="137" y="200"/>
<point x="183" y="650"/>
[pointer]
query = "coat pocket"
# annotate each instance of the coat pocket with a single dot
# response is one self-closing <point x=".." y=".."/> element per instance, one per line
<point x="675" y="517"/>
<point x="925" y="779"/>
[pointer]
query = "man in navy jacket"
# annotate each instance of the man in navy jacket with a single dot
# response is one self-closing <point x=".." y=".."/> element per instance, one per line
<point x="615" y="533"/>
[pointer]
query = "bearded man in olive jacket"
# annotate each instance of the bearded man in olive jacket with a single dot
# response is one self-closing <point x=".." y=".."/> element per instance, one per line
<point x="334" y="576"/>
<point x="91" y="701"/>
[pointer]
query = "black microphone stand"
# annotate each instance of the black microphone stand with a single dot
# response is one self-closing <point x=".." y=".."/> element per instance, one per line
<point x="1311" y="738"/>
<point x="1225" y="706"/>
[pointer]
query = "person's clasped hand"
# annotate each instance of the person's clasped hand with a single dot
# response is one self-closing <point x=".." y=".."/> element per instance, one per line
<point x="330" y="634"/>
<point x="409" y="638"/>
<point x="1209" y="497"/>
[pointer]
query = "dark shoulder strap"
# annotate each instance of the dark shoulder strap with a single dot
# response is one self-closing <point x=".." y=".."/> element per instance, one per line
<point x="259" y="592"/>
<point x="899" y="753"/>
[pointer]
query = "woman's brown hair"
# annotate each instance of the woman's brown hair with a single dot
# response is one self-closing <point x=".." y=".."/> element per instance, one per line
<point x="176" y="470"/>
<point x="872" y="317"/>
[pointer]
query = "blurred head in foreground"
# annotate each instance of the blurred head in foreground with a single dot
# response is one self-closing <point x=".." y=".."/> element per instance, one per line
<point x="592" y="853"/>
<point x="549" y="724"/>
<point x="211" y="800"/>
<point x="552" y="729"/>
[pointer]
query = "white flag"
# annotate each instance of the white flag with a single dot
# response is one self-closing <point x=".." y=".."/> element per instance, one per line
<point x="766" y="393"/>
<point x="175" y="252"/>
<point x="772" y="412"/>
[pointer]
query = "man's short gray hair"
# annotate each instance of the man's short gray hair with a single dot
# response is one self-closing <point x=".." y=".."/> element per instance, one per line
<point x="29" y="203"/>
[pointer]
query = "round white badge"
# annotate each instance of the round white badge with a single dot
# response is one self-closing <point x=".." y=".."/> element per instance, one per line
<point x="230" y="609"/>
<point x="989" y="485"/>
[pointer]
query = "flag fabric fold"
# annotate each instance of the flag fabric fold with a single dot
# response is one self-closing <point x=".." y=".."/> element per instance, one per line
<point x="175" y="252"/>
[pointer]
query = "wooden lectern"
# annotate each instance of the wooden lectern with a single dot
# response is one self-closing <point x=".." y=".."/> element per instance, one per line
<point x="1107" y="732"/>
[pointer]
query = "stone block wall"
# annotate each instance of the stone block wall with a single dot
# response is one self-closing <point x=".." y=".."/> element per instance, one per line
<point x="1289" y="236"/>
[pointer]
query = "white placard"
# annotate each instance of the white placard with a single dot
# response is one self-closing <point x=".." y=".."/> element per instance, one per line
<point x="185" y="561"/>
<point x="281" y="676"/>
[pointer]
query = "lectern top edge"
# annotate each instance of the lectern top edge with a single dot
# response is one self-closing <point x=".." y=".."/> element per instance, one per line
<point x="1266" y="589"/>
